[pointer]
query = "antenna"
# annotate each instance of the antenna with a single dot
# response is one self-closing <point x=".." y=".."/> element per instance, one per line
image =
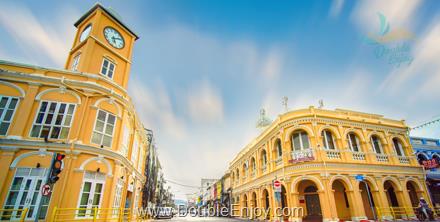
<point x="321" y="104"/>
<point x="284" y="102"/>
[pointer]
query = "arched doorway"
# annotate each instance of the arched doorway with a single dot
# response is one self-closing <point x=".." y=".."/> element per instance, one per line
<point x="253" y="204"/>
<point x="391" y="189"/>
<point x="284" y="203"/>
<point x="413" y="192"/>
<point x="309" y="200"/>
<point x="266" y="203"/>
<point x="366" y="189"/>
<point x="245" y="205"/>
<point x="342" y="201"/>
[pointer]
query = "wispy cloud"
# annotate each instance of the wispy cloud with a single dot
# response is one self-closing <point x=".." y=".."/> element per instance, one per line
<point x="398" y="13"/>
<point x="36" y="38"/>
<point x="204" y="104"/>
<point x="336" y="8"/>
<point x="425" y="69"/>
<point x="156" y="110"/>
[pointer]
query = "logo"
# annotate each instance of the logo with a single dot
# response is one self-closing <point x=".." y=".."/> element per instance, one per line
<point x="391" y="44"/>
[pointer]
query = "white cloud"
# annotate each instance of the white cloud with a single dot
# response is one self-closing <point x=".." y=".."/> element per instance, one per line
<point x="205" y="104"/>
<point x="425" y="69"/>
<point x="336" y="8"/>
<point x="156" y="111"/>
<point x="272" y="64"/>
<point x="398" y="13"/>
<point x="34" y="37"/>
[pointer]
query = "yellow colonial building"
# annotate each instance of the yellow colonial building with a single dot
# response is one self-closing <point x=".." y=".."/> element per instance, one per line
<point x="329" y="162"/>
<point x="82" y="111"/>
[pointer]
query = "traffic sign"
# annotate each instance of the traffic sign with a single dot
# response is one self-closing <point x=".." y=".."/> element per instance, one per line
<point x="277" y="186"/>
<point x="359" y="177"/>
<point x="45" y="190"/>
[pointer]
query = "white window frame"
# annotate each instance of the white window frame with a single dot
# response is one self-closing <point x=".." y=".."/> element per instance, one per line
<point x="279" y="148"/>
<point x="105" y="126"/>
<point x="350" y="143"/>
<point x="118" y="197"/>
<point x="135" y="150"/>
<point x="125" y="141"/>
<point x="110" y="62"/>
<point x="399" y="147"/>
<point x="30" y="192"/>
<point x="96" y="180"/>
<point x="55" y="115"/>
<point x="2" y="116"/>
<point x="75" y="62"/>
<point x="373" y="146"/>
<point x="326" y="139"/>
<point x="301" y="142"/>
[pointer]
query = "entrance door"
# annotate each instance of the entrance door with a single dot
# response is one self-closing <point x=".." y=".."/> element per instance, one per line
<point x="25" y="192"/>
<point x="91" y="193"/>
<point x="313" y="205"/>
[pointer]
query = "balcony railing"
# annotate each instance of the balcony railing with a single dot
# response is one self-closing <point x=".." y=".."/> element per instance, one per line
<point x="302" y="155"/>
<point x="358" y="155"/>
<point x="404" y="159"/>
<point x="278" y="161"/>
<point x="333" y="154"/>
<point x="382" y="157"/>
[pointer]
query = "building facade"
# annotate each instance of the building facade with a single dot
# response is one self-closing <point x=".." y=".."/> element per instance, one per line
<point x="325" y="161"/>
<point x="427" y="151"/>
<point x="82" y="111"/>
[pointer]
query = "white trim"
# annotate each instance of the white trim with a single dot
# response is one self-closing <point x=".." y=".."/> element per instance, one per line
<point x="61" y="90"/>
<point x="107" y="114"/>
<point x="111" y="101"/>
<point x="109" y="60"/>
<point x="316" y="180"/>
<point x="98" y="159"/>
<point x="8" y="103"/>
<point x="28" y="154"/>
<point x="22" y="93"/>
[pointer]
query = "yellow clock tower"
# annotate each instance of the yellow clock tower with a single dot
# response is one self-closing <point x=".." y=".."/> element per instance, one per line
<point x="103" y="45"/>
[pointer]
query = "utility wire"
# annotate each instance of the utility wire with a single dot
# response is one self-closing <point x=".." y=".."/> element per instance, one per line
<point x="180" y="184"/>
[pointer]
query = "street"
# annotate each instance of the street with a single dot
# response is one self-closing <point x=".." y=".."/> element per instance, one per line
<point x="189" y="218"/>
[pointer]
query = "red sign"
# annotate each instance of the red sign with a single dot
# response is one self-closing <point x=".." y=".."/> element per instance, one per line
<point x="277" y="186"/>
<point x="429" y="164"/>
<point x="45" y="190"/>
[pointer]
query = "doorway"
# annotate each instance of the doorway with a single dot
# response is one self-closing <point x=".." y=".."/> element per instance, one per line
<point x="24" y="192"/>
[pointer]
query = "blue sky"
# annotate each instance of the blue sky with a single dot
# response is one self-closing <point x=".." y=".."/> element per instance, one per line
<point x="202" y="70"/>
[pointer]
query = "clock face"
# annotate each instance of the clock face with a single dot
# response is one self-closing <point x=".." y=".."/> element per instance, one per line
<point x="114" y="37"/>
<point x="85" y="33"/>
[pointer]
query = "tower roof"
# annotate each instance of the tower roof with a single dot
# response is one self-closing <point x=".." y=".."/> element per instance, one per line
<point x="112" y="13"/>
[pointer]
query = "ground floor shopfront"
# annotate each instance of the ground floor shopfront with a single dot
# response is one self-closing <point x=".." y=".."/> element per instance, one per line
<point x="91" y="179"/>
<point x="336" y="195"/>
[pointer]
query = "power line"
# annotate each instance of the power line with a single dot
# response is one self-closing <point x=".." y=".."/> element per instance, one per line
<point x="180" y="184"/>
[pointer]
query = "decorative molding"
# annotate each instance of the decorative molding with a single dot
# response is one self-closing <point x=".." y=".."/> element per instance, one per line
<point x="20" y="90"/>
<point x="61" y="90"/>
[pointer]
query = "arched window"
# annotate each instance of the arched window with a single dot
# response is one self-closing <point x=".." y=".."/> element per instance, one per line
<point x="253" y="165"/>
<point x="310" y="189"/>
<point x="237" y="175"/>
<point x="279" y="148"/>
<point x="398" y="147"/>
<point x="377" y="146"/>
<point x="263" y="158"/>
<point x="327" y="140"/>
<point x="245" y="169"/>
<point x="353" y="142"/>
<point x="300" y="140"/>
